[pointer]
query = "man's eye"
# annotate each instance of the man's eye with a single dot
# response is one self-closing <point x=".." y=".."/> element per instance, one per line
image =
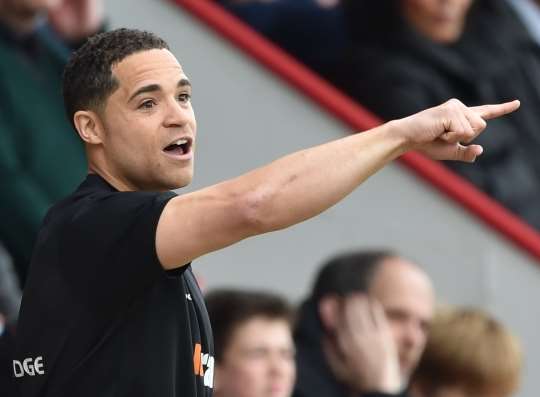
<point x="184" y="97"/>
<point x="148" y="104"/>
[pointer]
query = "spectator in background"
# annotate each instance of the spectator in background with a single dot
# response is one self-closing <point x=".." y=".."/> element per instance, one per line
<point x="311" y="30"/>
<point x="409" y="54"/>
<point x="7" y="342"/>
<point x="10" y="299"/>
<point x="253" y="344"/>
<point x="10" y="292"/>
<point x="468" y="354"/>
<point x="364" y="327"/>
<point x="41" y="159"/>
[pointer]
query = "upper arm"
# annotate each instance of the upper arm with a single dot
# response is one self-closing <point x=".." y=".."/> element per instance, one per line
<point x="197" y="223"/>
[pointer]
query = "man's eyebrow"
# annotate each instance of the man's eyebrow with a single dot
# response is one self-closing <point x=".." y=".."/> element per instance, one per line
<point x="146" y="88"/>
<point x="157" y="87"/>
<point x="183" y="83"/>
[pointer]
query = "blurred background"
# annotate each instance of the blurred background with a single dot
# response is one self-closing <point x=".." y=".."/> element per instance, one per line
<point x="392" y="57"/>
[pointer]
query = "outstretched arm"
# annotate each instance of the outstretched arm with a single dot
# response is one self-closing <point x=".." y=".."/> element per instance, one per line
<point x="302" y="185"/>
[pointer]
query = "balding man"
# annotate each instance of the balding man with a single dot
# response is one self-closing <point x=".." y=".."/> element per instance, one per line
<point x="363" y="330"/>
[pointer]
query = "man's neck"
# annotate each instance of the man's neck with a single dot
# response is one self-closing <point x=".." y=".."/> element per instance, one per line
<point x="117" y="183"/>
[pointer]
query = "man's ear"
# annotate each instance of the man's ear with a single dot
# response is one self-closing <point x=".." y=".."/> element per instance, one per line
<point x="89" y="126"/>
<point x="329" y="312"/>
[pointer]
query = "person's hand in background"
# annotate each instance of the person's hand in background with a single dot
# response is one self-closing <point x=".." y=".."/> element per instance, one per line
<point x="366" y="355"/>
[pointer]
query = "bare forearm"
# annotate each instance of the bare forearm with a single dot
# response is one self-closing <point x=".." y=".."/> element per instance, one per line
<point x="303" y="184"/>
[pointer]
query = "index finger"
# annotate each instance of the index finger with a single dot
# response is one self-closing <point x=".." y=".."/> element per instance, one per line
<point x="488" y="112"/>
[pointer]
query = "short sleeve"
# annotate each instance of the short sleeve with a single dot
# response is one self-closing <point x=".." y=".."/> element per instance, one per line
<point x="108" y="247"/>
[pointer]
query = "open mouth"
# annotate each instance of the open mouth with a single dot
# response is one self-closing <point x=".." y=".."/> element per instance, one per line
<point x="179" y="147"/>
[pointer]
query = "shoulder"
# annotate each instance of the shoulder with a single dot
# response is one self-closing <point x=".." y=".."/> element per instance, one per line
<point x="96" y="204"/>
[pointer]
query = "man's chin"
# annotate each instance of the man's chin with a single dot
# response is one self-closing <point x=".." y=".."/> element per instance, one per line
<point x="180" y="183"/>
<point x="164" y="185"/>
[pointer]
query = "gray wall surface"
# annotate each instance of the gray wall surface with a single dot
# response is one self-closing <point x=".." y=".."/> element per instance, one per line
<point x="248" y="117"/>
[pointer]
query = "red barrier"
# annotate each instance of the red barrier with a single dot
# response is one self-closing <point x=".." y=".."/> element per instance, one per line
<point x="344" y="108"/>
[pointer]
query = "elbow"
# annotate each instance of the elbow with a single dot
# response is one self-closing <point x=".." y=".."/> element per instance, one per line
<point x="257" y="211"/>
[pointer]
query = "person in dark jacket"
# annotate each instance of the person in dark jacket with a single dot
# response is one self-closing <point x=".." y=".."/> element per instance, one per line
<point x="41" y="158"/>
<point x="10" y="299"/>
<point x="408" y="54"/>
<point x="364" y="327"/>
<point x="295" y="25"/>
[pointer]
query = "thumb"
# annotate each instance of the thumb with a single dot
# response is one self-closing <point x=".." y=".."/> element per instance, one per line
<point x="467" y="153"/>
<point x="441" y="150"/>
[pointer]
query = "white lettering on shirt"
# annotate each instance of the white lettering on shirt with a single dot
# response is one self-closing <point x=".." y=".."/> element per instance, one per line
<point x="29" y="366"/>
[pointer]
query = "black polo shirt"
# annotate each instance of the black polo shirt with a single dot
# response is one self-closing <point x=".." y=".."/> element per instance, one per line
<point x="100" y="316"/>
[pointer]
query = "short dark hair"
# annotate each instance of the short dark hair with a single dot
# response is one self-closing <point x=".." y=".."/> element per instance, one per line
<point x="88" y="80"/>
<point x="349" y="272"/>
<point x="229" y="309"/>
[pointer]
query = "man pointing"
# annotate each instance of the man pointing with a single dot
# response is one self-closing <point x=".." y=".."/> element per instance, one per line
<point x="111" y="307"/>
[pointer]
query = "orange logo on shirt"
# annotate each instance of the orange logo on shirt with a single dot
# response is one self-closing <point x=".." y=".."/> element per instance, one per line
<point x="200" y="361"/>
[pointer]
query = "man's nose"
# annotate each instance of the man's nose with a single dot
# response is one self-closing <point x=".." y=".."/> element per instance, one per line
<point x="176" y="114"/>
<point x="277" y="365"/>
<point x="414" y="334"/>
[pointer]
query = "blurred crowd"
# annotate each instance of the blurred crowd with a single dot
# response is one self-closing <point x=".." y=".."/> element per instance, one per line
<point x="41" y="157"/>
<point x="370" y="326"/>
<point x="397" y="57"/>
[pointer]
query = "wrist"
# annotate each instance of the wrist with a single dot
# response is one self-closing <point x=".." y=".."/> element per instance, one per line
<point x="384" y="385"/>
<point x="391" y="385"/>
<point x="395" y="131"/>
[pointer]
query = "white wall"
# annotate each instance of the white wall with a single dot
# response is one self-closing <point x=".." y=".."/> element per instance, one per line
<point x="247" y="117"/>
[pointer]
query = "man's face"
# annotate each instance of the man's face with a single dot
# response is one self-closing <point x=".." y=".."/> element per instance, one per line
<point x="406" y="295"/>
<point x="442" y="21"/>
<point x="258" y="361"/>
<point x="149" y="124"/>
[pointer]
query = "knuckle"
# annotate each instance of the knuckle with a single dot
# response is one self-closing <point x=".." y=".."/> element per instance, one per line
<point x="479" y="125"/>
<point x="454" y="102"/>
